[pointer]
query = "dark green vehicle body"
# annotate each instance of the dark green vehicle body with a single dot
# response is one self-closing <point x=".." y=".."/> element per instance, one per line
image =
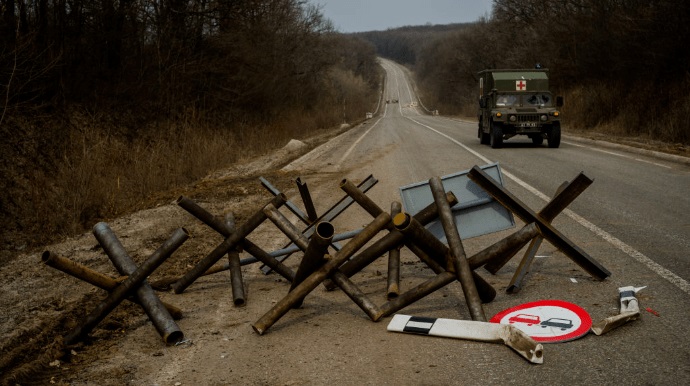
<point x="518" y="102"/>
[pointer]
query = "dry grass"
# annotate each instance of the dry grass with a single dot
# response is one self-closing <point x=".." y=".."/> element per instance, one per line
<point x="645" y="110"/>
<point x="101" y="170"/>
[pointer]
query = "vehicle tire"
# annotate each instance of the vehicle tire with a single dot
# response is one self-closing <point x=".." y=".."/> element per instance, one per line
<point x="537" y="139"/>
<point x="496" y="135"/>
<point x="555" y="136"/>
<point x="483" y="137"/>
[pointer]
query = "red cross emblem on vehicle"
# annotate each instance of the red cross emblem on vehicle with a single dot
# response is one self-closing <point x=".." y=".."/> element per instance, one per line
<point x="520" y="85"/>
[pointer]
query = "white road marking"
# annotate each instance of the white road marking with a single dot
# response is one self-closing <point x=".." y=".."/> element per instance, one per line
<point x="618" y="155"/>
<point x="347" y="153"/>
<point x="674" y="279"/>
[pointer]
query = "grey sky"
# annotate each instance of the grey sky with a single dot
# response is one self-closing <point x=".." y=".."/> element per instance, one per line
<point x="370" y="15"/>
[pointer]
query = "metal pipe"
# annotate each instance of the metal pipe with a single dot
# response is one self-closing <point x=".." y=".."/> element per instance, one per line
<point x="393" y="288"/>
<point x="95" y="278"/>
<point x="412" y="295"/>
<point x="504" y="246"/>
<point x="160" y="317"/>
<point x="236" y="282"/>
<point x="229" y="243"/>
<point x="354" y="293"/>
<point x="565" y="194"/>
<point x="313" y="254"/>
<point x="292" y="207"/>
<point x="285" y="226"/>
<point x="550" y="233"/>
<point x="439" y="252"/>
<point x="316" y="259"/>
<point x="330" y="215"/>
<point x="445" y="278"/>
<point x="306" y="199"/>
<point x="457" y="255"/>
<point x="394" y="239"/>
<point x="497" y="262"/>
<point x="523" y="267"/>
<point x="311" y="282"/>
<point x="251" y="248"/>
<point x="416" y="232"/>
<point x="280" y="253"/>
<point x="362" y="199"/>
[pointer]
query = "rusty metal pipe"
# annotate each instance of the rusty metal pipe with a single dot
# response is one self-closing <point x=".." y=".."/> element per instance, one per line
<point x="311" y="282"/>
<point x="504" y="246"/>
<point x="362" y="199"/>
<point x="393" y="288"/>
<point x="394" y="239"/>
<point x="439" y="252"/>
<point x="158" y="314"/>
<point x="95" y="278"/>
<point x="229" y="243"/>
<point x="258" y="254"/>
<point x="424" y="257"/>
<point x="523" y="267"/>
<point x="288" y="204"/>
<point x="285" y="226"/>
<point x="445" y="278"/>
<point x="306" y="199"/>
<point x="354" y="293"/>
<point x="313" y="254"/>
<point x="487" y="293"/>
<point x="160" y="317"/>
<point x="419" y="235"/>
<point x="315" y="259"/>
<point x="496" y="263"/>
<point x="330" y="215"/>
<point x="236" y="282"/>
<point x="412" y="295"/>
<point x="550" y="233"/>
<point x="565" y="194"/>
<point x="459" y="259"/>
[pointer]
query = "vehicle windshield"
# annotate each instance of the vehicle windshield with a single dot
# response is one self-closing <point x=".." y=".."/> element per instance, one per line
<point x="506" y="100"/>
<point x="537" y="99"/>
<point x="533" y="99"/>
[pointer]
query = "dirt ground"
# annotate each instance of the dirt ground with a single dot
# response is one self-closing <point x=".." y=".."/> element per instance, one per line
<point x="41" y="304"/>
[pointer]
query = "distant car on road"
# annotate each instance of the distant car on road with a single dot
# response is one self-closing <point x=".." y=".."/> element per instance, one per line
<point x="524" y="318"/>
<point x="563" y="324"/>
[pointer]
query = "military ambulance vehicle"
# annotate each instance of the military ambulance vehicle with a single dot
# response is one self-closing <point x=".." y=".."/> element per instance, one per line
<point x="518" y="102"/>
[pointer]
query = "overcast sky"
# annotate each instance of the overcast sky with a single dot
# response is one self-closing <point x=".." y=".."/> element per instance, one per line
<point x="371" y="15"/>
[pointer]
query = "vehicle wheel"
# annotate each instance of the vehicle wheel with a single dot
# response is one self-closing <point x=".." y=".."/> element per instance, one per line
<point x="496" y="135"/>
<point x="537" y="140"/>
<point x="555" y="136"/>
<point x="483" y="137"/>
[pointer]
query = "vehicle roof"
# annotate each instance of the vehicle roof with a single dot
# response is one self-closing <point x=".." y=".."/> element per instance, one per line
<point x="543" y="71"/>
<point x="509" y="75"/>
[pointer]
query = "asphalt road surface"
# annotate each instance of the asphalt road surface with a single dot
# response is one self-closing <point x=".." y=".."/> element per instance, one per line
<point x="633" y="220"/>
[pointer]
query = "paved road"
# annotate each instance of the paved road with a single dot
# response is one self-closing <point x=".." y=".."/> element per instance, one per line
<point x="633" y="220"/>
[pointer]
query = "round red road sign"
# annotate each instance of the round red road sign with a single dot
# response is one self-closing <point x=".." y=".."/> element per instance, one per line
<point x="547" y="321"/>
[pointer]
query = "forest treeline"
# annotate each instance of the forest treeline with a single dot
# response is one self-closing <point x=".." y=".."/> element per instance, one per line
<point x="622" y="65"/>
<point x="105" y="102"/>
